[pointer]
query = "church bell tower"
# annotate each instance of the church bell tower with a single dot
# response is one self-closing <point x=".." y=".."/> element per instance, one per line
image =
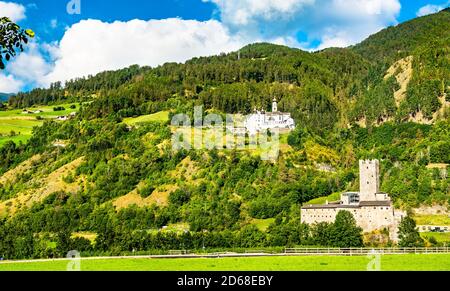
<point x="274" y="105"/>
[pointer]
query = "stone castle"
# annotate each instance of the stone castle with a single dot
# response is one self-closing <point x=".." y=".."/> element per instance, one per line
<point x="372" y="209"/>
<point x="260" y="121"/>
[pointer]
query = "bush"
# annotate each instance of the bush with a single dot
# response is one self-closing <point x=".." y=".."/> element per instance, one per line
<point x="59" y="108"/>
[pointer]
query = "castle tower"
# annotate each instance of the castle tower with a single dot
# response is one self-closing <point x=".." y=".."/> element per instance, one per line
<point x="274" y="105"/>
<point x="369" y="180"/>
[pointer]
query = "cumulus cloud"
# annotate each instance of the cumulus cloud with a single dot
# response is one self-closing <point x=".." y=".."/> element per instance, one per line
<point x="9" y="84"/>
<point x="92" y="46"/>
<point x="30" y="66"/>
<point x="331" y="22"/>
<point x="430" y="9"/>
<point x="14" y="11"/>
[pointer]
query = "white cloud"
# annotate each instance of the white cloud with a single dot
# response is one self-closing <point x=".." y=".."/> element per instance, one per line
<point x="331" y="22"/>
<point x="246" y="12"/>
<point x="30" y="66"/>
<point x="92" y="46"/>
<point x="9" y="84"/>
<point x="14" y="11"/>
<point x="430" y="9"/>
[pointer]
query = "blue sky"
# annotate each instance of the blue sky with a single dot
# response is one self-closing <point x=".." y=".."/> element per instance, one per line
<point x="111" y="34"/>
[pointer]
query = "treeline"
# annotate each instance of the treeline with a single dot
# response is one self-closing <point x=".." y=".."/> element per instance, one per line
<point x="77" y="90"/>
<point x="21" y="241"/>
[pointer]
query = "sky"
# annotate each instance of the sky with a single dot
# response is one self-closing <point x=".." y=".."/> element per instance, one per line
<point x="76" y="38"/>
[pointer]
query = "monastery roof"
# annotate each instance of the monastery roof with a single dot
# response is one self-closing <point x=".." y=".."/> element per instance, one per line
<point x="277" y="113"/>
<point x="344" y="206"/>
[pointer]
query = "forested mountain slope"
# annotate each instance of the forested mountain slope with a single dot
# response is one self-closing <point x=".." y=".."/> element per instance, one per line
<point x="94" y="176"/>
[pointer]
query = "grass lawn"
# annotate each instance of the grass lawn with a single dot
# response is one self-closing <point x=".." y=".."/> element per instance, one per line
<point x="439" y="236"/>
<point x="314" y="263"/>
<point x="161" y="116"/>
<point x="263" y="224"/>
<point x="321" y="200"/>
<point x="439" y="219"/>
<point x="16" y="139"/>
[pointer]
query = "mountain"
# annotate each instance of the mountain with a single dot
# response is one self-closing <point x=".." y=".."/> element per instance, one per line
<point x="106" y="183"/>
<point x="404" y="39"/>
<point x="4" y="96"/>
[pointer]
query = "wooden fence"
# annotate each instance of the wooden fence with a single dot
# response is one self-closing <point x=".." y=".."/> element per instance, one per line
<point x="365" y="251"/>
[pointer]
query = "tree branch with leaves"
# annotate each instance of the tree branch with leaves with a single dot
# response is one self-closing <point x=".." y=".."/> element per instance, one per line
<point x="12" y="39"/>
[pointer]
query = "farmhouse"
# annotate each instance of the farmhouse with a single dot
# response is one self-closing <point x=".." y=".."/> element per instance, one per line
<point x="62" y="118"/>
<point x="260" y="121"/>
<point x="372" y="209"/>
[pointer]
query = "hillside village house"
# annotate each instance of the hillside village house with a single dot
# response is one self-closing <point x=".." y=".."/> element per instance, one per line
<point x="372" y="209"/>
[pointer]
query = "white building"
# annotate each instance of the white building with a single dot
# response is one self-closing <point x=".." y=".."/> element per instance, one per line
<point x="372" y="209"/>
<point x="261" y="121"/>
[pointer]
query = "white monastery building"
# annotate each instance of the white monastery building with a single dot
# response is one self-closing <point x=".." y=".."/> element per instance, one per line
<point x="372" y="209"/>
<point x="261" y="121"/>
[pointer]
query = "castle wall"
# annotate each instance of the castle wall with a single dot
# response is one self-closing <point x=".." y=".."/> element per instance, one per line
<point x="369" y="218"/>
<point x="312" y="216"/>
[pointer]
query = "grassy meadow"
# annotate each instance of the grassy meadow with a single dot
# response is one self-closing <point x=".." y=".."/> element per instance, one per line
<point x="17" y="127"/>
<point x="441" y="237"/>
<point x="436" y="219"/>
<point x="161" y="116"/>
<point x="423" y="262"/>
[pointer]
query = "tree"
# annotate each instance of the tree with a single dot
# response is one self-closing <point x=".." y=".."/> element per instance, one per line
<point x="408" y="234"/>
<point x="12" y="38"/>
<point x="297" y="137"/>
<point x="345" y="233"/>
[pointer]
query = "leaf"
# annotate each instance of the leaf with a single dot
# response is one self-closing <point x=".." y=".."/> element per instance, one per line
<point x="30" y="33"/>
<point x="2" y="65"/>
<point x="7" y="57"/>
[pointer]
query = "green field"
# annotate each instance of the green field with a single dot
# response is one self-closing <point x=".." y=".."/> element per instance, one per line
<point x="263" y="224"/>
<point x="314" y="263"/>
<point x="442" y="237"/>
<point x="22" y="124"/>
<point x="161" y="116"/>
<point x="322" y="200"/>
<point x="438" y="219"/>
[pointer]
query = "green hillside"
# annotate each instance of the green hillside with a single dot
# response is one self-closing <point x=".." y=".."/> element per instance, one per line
<point x="112" y="173"/>
<point x="402" y="40"/>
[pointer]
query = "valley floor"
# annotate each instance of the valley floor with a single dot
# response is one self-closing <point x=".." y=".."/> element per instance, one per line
<point x="410" y="262"/>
